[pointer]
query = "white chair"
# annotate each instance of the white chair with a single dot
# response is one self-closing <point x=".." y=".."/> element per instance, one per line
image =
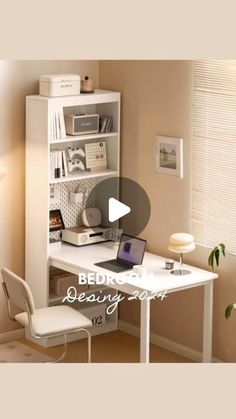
<point x="43" y="322"/>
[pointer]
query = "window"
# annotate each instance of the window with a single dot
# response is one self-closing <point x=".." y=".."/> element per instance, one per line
<point x="213" y="216"/>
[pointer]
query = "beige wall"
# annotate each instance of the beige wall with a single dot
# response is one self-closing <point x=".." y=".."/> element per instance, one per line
<point x="157" y="99"/>
<point x="18" y="79"/>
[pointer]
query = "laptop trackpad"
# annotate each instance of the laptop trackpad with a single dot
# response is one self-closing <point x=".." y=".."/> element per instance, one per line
<point x="114" y="266"/>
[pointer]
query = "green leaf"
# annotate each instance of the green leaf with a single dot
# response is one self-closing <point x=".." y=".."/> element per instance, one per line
<point x="215" y="255"/>
<point x="228" y="310"/>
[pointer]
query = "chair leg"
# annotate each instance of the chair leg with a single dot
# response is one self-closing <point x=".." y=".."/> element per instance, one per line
<point x="63" y="354"/>
<point x="89" y="347"/>
<point x="89" y="343"/>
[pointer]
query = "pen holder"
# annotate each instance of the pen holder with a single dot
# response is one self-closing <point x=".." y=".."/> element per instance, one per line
<point x="76" y="197"/>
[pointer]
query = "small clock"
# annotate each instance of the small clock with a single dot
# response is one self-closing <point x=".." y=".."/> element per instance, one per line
<point x="91" y="217"/>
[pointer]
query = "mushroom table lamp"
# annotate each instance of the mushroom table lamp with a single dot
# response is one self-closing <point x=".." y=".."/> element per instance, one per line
<point x="181" y="243"/>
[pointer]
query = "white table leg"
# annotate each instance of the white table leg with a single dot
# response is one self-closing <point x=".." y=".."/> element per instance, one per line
<point x="145" y="331"/>
<point x="207" y="322"/>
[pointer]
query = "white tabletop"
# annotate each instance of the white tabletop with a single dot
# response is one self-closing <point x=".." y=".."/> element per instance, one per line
<point x="157" y="279"/>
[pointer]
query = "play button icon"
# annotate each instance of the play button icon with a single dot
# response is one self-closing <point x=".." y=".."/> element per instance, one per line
<point x="123" y="203"/>
<point x="117" y="209"/>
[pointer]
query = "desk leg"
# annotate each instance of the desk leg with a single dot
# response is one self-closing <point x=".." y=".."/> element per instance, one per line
<point x="145" y="331"/>
<point x="207" y="322"/>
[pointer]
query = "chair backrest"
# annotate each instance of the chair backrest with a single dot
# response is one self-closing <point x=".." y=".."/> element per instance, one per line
<point x="18" y="290"/>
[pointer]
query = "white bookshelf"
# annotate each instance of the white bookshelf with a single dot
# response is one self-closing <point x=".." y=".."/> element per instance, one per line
<point x="38" y="146"/>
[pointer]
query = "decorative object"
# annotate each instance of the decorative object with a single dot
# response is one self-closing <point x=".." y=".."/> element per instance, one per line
<point x="181" y="243"/>
<point x="91" y="217"/>
<point x="55" y="220"/>
<point x="3" y="171"/>
<point x="169" y="264"/>
<point x="169" y="156"/>
<point x="52" y="85"/>
<point x="215" y="255"/>
<point x="87" y="85"/>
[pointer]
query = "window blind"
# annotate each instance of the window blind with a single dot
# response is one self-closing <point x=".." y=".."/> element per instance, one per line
<point x="213" y="215"/>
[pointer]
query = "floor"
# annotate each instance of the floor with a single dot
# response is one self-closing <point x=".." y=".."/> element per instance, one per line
<point x="110" y="347"/>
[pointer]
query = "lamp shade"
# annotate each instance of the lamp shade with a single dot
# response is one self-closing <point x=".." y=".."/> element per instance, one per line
<point x="181" y="243"/>
<point x="3" y="171"/>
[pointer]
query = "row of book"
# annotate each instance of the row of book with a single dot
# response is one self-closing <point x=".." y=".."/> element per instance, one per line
<point x="58" y="164"/>
<point x="105" y="124"/>
<point x="57" y="129"/>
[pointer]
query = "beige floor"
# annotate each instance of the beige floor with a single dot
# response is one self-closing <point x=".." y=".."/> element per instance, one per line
<point x="111" y="347"/>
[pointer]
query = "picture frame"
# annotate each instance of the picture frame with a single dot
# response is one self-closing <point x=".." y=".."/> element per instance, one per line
<point x="169" y="155"/>
<point x="55" y="220"/>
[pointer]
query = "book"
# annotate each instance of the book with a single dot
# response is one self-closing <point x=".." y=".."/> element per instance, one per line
<point x="109" y="125"/>
<point x="65" y="168"/>
<point x="59" y="163"/>
<point x="56" y="168"/>
<point x="62" y="124"/>
<point x="102" y="122"/>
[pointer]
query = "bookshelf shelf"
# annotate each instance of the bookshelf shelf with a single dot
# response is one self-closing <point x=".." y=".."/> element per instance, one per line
<point x="85" y="175"/>
<point x="70" y="138"/>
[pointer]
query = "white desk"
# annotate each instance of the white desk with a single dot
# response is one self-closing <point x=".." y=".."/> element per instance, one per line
<point x="82" y="259"/>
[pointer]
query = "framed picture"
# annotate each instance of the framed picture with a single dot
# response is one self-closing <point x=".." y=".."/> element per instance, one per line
<point x="169" y="155"/>
<point x="55" y="220"/>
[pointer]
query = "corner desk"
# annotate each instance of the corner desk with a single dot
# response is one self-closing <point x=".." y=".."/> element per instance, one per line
<point x="82" y="259"/>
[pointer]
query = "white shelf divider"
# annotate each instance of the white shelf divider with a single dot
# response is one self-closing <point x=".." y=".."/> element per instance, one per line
<point x="73" y="138"/>
<point x="85" y="175"/>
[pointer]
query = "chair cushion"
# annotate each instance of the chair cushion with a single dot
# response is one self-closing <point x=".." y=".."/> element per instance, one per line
<point x="52" y="320"/>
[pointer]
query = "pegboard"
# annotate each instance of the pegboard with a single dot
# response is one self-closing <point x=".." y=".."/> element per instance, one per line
<point x="71" y="212"/>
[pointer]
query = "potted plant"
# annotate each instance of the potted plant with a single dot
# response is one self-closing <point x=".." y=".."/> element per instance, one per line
<point x="214" y="258"/>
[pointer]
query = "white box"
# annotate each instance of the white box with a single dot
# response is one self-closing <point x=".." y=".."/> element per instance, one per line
<point x="59" y="85"/>
<point x="97" y="314"/>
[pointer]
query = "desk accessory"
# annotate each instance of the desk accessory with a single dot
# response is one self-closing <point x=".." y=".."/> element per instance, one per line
<point x="72" y="152"/>
<point x="55" y="220"/>
<point x="91" y="217"/>
<point x="75" y="164"/>
<point x="181" y="243"/>
<point x="82" y="124"/>
<point x="130" y="253"/>
<point x="81" y="235"/>
<point x="96" y="156"/>
<point x="59" y="85"/>
<point x="169" y="264"/>
<point x="86" y="85"/>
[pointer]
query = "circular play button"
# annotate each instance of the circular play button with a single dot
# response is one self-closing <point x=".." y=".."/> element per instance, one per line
<point x="123" y="203"/>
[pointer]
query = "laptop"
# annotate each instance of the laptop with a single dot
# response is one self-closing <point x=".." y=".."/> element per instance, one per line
<point x="131" y="252"/>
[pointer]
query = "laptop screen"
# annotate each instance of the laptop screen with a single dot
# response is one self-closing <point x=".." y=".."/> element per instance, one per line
<point x="131" y="250"/>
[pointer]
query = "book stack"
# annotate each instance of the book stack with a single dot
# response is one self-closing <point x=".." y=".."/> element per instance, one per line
<point x="57" y="130"/>
<point x="105" y="124"/>
<point x="58" y="164"/>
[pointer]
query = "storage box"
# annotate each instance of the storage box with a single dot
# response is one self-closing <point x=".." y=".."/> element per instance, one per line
<point x="97" y="314"/>
<point x="60" y="282"/>
<point x="59" y="85"/>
